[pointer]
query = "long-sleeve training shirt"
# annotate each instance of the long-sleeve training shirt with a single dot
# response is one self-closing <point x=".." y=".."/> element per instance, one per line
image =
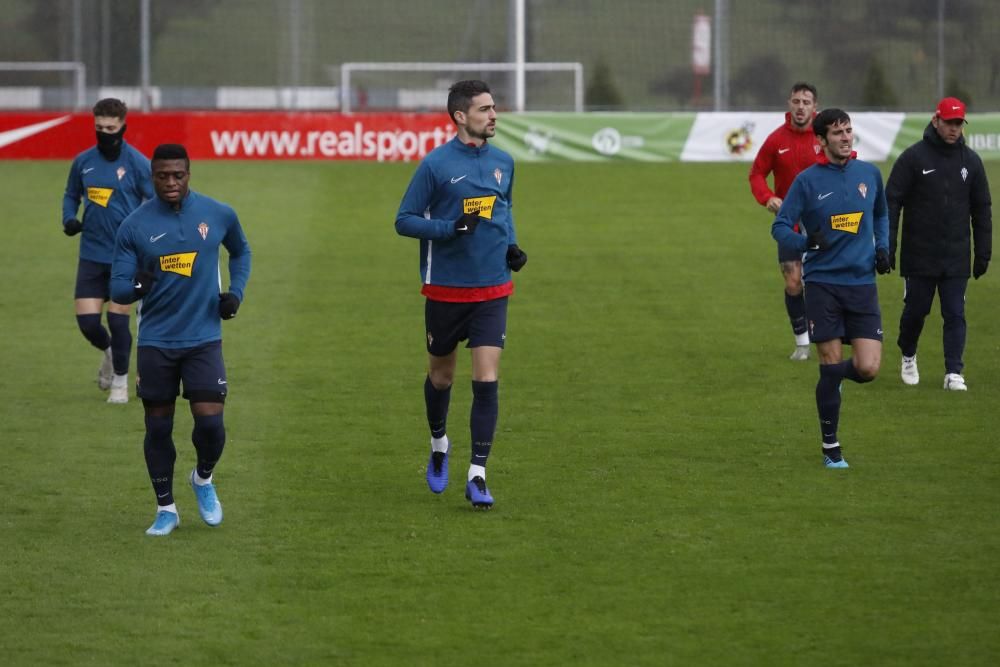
<point x="111" y="190"/>
<point x="181" y="249"/>
<point x="786" y="152"/>
<point x="847" y="203"/>
<point x="454" y="179"/>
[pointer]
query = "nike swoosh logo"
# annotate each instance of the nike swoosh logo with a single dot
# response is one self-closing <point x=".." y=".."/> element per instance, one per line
<point x="154" y="239"/>
<point x="463" y="228"/>
<point x="11" y="136"/>
<point x="782" y="151"/>
<point x="456" y="180"/>
<point x="927" y="171"/>
<point x="89" y="169"/>
<point x="825" y="196"/>
<point x="162" y="495"/>
<point x="955" y="108"/>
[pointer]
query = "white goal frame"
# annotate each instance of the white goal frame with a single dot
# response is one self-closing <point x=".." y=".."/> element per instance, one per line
<point x="78" y="69"/>
<point x="346" y="69"/>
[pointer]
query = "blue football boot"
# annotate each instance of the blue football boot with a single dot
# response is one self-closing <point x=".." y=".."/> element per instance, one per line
<point x="437" y="471"/>
<point x="208" y="502"/>
<point x="830" y="463"/>
<point x="477" y="493"/>
<point x="164" y="524"/>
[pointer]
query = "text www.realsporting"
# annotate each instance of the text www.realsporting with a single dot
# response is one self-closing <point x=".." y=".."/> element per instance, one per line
<point x="359" y="143"/>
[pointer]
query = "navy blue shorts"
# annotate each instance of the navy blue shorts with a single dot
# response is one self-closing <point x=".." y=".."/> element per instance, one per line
<point x="483" y="323"/>
<point x="93" y="280"/>
<point x="842" y="311"/>
<point x="159" y="372"/>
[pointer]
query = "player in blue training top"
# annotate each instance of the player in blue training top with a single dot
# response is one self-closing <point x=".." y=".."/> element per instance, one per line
<point x="167" y="257"/>
<point x="458" y="204"/>
<point x="113" y="179"/>
<point x="841" y="203"/>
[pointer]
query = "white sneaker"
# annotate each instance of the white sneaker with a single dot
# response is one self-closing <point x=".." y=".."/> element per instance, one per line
<point x="119" y="389"/>
<point x="954" y="382"/>
<point x="105" y="372"/>
<point x="801" y="353"/>
<point x="910" y="374"/>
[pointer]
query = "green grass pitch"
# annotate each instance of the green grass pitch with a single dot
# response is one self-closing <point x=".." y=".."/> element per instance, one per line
<point x="660" y="496"/>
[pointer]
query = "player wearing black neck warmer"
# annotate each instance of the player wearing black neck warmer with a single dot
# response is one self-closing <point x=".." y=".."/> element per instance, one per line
<point x="112" y="178"/>
<point x="110" y="143"/>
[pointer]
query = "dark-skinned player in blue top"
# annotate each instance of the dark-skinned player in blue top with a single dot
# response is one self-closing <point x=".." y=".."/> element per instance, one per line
<point x="113" y="179"/>
<point x="167" y="257"/>
<point x="841" y="203"/>
<point x="458" y="204"/>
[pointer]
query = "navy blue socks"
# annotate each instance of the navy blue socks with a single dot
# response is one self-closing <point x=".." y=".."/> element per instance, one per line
<point x="437" y="408"/>
<point x="795" y="306"/>
<point x="90" y="327"/>
<point x="828" y="401"/>
<point x="209" y="438"/>
<point x="121" y="342"/>
<point x="160" y="456"/>
<point x="483" y="420"/>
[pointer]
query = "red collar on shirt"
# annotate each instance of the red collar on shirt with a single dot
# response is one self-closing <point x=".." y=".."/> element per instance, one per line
<point x="823" y="159"/>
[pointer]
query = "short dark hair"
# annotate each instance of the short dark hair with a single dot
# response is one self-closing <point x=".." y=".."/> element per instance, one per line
<point x="827" y="117"/>
<point x="111" y="107"/>
<point x="461" y="93"/>
<point x="171" y="152"/>
<point x="799" y="86"/>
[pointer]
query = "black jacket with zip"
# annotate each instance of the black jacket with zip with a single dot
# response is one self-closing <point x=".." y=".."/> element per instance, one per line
<point x="940" y="188"/>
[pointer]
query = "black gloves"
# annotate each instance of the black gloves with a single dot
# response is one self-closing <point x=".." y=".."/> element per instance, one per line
<point x="229" y="303"/>
<point x="816" y="241"/>
<point x="516" y="258"/>
<point x="979" y="266"/>
<point x="142" y="283"/>
<point x="72" y="227"/>
<point x="467" y="223"/>
<point x="882" y="263"/>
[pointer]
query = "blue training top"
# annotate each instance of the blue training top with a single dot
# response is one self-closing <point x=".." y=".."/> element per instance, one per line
<point x="846" y="202"/>
<point x="181" y="249"/>
<point x="451" y="180"/>
<point x="111" y="189"/>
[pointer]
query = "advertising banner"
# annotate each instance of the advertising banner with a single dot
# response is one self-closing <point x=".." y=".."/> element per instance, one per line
<point x="737" y="136"/>
<point x="594" y="137"/>
<point x="531" y="137"/>
<point x="213" y="135"/>
<point x="982" y="133"/>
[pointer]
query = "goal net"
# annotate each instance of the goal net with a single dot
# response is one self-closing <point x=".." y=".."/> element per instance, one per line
<point x="423" y="86"/>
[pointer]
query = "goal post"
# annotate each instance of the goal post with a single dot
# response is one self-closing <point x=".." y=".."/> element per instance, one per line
<point x="347" y="69"/>
<point x="78" y="69"/>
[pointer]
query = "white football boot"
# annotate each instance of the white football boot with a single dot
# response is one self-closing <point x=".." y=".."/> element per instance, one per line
<point x="954" y="382"/>
<point x="909" y="371"/>
<point x="105" y="372"/>
<point x="119" y="389"/>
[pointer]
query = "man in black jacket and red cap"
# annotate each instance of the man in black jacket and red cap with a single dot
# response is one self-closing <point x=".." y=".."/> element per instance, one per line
<point x="941" y="186"/>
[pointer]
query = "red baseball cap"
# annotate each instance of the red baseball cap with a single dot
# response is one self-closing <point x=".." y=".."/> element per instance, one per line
<point x="950" y="108"/>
